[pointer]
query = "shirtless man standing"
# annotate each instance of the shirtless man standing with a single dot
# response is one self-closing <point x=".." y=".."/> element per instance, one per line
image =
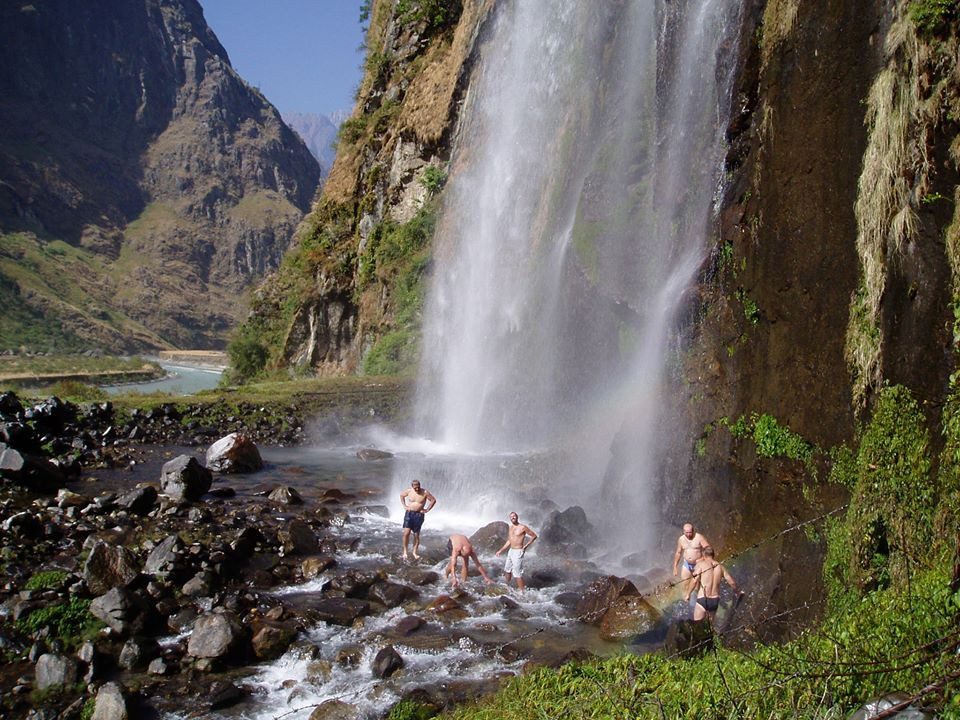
<point x="416" y="502"/>
<point x="460" y="547"/>
<point x="516" y="542"/>
<point x="708" y="575"/>
<point x="690" y="547"/>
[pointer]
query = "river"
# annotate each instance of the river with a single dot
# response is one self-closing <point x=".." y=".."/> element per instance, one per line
<point x="180" y="379"/>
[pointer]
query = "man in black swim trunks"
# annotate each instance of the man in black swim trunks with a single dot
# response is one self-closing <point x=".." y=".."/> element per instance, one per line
<point x="416" y="502"/>
<point x="708" y="574"/>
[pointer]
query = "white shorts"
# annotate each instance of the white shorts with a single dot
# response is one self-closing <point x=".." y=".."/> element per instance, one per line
<point x="514" y="564"/>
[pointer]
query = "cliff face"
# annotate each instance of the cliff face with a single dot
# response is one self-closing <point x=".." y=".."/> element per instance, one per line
<point x="833" y="265"/>
<point x="129" y="138"/>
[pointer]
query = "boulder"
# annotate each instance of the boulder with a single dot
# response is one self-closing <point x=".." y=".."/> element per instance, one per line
<point x="299" y="539"/>
<point x="137" y="653"/>
<point x="235" y="453"/>
<point x="271" y="641"/>
<point x="627" y="617"/>
<point x="409" y="625"/>
<point x="109" y="566"/>
<point x="34" y="473"/>
<point x="386" y="662"/>
<point x="490" y="537"/>
<point x="313" y="566"/>
<point x="139" y="501"/>
<point x="566" y="532"/>
<point x="390" y="594"/>
<point x="163" y="560"/>
<point x="111" y="704"/>
<point x="224" y="694"/>
<point x="600" y="595"/>
<point x="200" y="585"/>
<point x="216" y="636"/>
<point x="10" y="405"/>
<point x="184" y="478"/>
<point x="337" y="611"/>
<point x="115" y="608"/>
<point x="55" y="671"/>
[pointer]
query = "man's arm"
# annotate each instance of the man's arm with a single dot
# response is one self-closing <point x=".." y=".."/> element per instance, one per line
<point x="452" y="568"/>
<point x="429" y="498"/>
<point x="533" y="536"/>
<point x="676" y="557"/>
<point x="403" y="499"/>
<point x="730" y="581"/>
<point x="506" y="546"/>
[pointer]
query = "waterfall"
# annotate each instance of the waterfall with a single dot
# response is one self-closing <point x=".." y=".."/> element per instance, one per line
<point x="576" y="216"/>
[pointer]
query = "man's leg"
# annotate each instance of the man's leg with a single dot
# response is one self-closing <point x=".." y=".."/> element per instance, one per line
<point x="520" y="584"/>
<point x="507" y="577"/>
<point x="406" y="540"/>
<point x="416" y="545"/>
<point x="698" y="612"/>
<point x="686" y="578"/>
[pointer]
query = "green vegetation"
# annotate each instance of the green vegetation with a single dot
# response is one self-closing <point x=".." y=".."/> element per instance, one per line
<point x="433" y="179"/>
<point x="436" y="14"/>
<point x="750" y="309"/>
<point x="411" y="710"/>
<point x="772" y="439"/>
<point x="70" y="622"/>
<point x="46" y="580"/>
<point x="86" y="712"/>
<point x="247" y="355"/>
<point x="931" y="16"/>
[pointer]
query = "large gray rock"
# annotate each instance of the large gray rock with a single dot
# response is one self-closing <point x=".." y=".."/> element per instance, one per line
<point x="335" y="710"/>
<point x="627" y="617"/>
<point x="137" y="653"/>
<point x="110" y="703"/>
<point x="235" y="453"/>
<point x="566" y="532"/>
<point x="164" y="559"/>
<point x="490" y="537"/>
<point x="300" y="539"/>
<point x="55" y="671"/>
<point x="139" y="501"/>
<point x="37" y="474"/>
<point x="216" y="635"/>
<point x="600" y="595"/>
<point x="115" y="608"/>
<point x="184" y="478"/>
<point x="109" y="566"/>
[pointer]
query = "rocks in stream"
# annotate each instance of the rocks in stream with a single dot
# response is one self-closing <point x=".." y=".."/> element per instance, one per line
<point x="184" y="478"/>
<point x="235" y="453"/>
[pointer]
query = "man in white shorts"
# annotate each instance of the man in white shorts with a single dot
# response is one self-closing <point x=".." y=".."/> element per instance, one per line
<point x="516" y="545"/>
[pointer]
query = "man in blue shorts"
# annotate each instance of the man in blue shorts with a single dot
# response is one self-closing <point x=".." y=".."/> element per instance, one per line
<point x="416" y="502"/>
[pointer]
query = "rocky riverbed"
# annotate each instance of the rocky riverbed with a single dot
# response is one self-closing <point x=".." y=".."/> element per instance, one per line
<point x="153" y="569"/>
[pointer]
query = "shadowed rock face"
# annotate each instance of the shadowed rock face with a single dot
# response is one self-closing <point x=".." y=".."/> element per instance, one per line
<point x="125" y="127"/>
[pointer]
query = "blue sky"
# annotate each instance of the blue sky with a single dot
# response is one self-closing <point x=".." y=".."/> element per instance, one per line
<point x="303" y="55"/>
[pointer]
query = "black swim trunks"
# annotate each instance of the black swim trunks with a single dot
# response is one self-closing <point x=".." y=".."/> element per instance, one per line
<point x="414" y="520"/>
<point x="709" y="604"/>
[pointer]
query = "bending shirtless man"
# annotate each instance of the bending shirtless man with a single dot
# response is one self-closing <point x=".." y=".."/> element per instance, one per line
<point x="416" y="502"/>
<point x="690" y="547"/>
<point x="460" y="547"/>
<point x="517" y="544"/>
<point x="707" y="576"/>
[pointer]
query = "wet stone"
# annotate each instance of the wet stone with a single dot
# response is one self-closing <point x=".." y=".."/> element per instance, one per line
<point x="386" y="663"/>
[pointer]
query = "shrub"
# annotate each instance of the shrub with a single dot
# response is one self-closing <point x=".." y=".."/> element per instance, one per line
<point x="932" y="15"/>
<point x="433" y="179"/>
<point x="247" y="355"/>
<point x="46" y="580"/>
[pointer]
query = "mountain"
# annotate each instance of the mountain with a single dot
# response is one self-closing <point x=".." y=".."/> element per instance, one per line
<point x="319" y="132"/>
<point x="143" y="184"/>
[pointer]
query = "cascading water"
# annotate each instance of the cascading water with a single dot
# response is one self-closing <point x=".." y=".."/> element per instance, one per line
<point x="576" y="216"/>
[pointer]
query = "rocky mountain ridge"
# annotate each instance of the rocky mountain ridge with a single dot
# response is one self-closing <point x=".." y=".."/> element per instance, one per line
<point x="144" y="186"/>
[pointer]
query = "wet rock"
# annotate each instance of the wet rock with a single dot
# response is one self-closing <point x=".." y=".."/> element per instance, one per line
<point x="313" y="566"/>
<point x="566" y="532"/>
<point x="335" y="710"/>
<point x="67" y="498"/>
<point x="158" y="666"/>
<point x="23" y="525"/>
<point x="200" y="585"/>
<point x="336" y="611"/>
<point x="353" y="583"/>
<point x="367" y="454"/>
<point x="490" y="537"/>
<point x="271" y="641"/>
<point x="115" y="608"/>
<point x="224" y="694"/>
<point x="183" y="478"/>
<point x="600" y="594"/>
<point x="111" y="703"/>
<point x="417" y="576"/>
<point x="137" y="653"/>
<point x="688" y="638"/>
<point x="628" y="616"/>
<point x="55" y="671"/>
<point x="235" y="453"/>
<point x="386" y="663"/>
<point x="444" y="604"/>
<point x="299" y="539"/>
<point x="378" y="510"/>
<point x="390" y="594"/>
<point x="139" y="501"/>
<point x="109" y="566"/>
<point x="216" y="636"/>
<point x="10" y="405"/>
<point x="285" y="496"/>
<point x="349" y="656"/>
<point x="34" y="473"/>
<point x="410" y="624"/>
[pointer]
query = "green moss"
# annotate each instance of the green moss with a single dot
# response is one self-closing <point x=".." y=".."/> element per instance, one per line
<point x="410" y="710"/>
<point x="932" y="16"/>
<point x="46" y="580"/>
<point x="86" y="712"/>
<point x="70" y="622"/>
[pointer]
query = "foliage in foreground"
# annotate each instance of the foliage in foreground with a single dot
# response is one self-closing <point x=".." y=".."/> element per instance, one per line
<point x="891" y="623"/>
